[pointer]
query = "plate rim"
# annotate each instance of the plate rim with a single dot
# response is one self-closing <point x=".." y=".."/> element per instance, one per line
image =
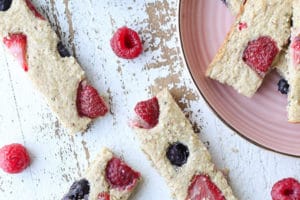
<point x="210" y="106"/>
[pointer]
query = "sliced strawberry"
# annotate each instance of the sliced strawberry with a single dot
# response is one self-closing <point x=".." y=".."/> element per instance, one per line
<point x="89" y="102"/>
<point x="17" y="45"/>
<point x="203" y="188"/>
<point x="286" y="189"/>
<point x="103" y="196"/>
<point x="148" y="112"/>
<point x="120" y="176"/>
<point x="34" y="10"/>
<point x="260" y="54"/>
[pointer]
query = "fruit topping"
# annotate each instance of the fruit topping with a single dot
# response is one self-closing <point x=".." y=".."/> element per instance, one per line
<point x="103" y="196"/>
<point x="34" y="10"/>
<point x="126" y="43"/>
<point x="120" y="176"/>
<point x="296" y="50"/>
<point x="260" y="54"/>
<point x="224" y="1"/>
<point x="17" y="45"/>
<point x="286" y="189"/>
<point x="78" y="190"/>
<point x="14" y="158"/>
<point x="283" y="86"/>
<point x="242" y="25"/>
<point x="148" y="113"/>
<point x="89" y="102"/>
<point x="5" y="5"/>
<point x="203" y="188"/>
<point x="62" y="50"/>
<point x="178" y="154"/>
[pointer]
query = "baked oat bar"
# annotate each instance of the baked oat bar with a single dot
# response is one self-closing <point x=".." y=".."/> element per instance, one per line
<point x="294" y="67"/>
<point x="281" y="65"/>
<point x="28" y="38"/>
<point x="107" y="178"/>
<point x="168" y="140"/>
<point x="253" y="45"/>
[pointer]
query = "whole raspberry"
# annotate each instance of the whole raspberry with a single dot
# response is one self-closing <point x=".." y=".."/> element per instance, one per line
<point x="148" y="112"/>
<point x="14" y="158"/>
<point x="120" y="176"/>
<point x="89" y="102"/>
<point x="126" y="43"/>
<point x="295" y="46"/>
<point x="286" y="189"/>
<point x="260" y="54"/>
<point x="203" y="188"/>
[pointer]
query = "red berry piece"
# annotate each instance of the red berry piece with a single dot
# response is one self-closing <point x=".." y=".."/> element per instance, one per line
<point x="126" y="43"/>
<point x="296" y="50"/>
<point x="260" y="54"/>
<point x="148" y="112"/>
<point x="89" y="102"/>
<point x="203" y="188"/>
<point x="14" y="158"/>
<point x="103" y="196"/>
<point x="120" y="176"/>
<point x="242" y="26"/>
<point x="17" y="45"/>
<point x="34" y="10"/>
<point x="286" y="189"/>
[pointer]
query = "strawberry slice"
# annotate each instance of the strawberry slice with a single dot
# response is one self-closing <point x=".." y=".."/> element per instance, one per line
<point x="203" y="188"/>
<point x="148" y="113"/>
<point x="103" y="196"/>
<point x="34" y="10"/>
<point x="120" y="176"/>
<point x="89" y="102"/>
<point x="17" y="45"/>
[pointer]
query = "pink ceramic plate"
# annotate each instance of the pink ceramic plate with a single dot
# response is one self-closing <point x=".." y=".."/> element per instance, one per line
<point x="261" y="119"/>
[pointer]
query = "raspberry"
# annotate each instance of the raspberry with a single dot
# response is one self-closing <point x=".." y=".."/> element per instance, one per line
<point x="203" y="188"/>
<point x="120" y="176"/>
<point x="89" y="102"/>
<point x="103" y="196"/>
<point x="286" y="189"/>
<point x="296" y="50"/>
<point x="34" y="10"/>
<point x="260" y="54"/>
<point x="14" y="158"/>
<point x="242" y="25"/>
<point x="126" y="43"/>
<point x="148" y="112"/>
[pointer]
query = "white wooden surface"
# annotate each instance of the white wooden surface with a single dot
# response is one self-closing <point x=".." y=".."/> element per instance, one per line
<point x="58" y="159"/>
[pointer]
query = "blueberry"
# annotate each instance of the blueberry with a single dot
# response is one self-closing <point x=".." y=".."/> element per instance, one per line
<point x="78" y="190"/>
<point x="62" y="50"/>
<point x="283" y="86"/>
<point x="224" y="1"/>
<point x="5" y="5"/>
<point x="177" y="153"/>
